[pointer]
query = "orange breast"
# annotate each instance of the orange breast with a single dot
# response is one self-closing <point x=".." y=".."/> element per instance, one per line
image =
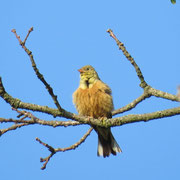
<point x="94" y="101"/>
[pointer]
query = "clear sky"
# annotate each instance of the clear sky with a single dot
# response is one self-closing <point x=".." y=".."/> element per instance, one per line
<point x="68" y="35"/>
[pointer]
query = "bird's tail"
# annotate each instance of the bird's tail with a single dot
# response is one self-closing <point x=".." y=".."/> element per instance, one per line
<point x="106" y="143"/>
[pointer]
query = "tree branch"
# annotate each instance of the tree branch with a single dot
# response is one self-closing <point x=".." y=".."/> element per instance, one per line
<point x="54" y="151"/>
<point x="77" y="119"/>
<point x="36" y="70"/>
<point x="88" y="120"/>
<point x="131" y="105"/>
<point x="33" y="120"/>
<point x="132" y="118"/>
<point x="164" y="95"/>
<point x="16" y="103"/>
<point x="13" y="127"/>
<point x="121" y="46"/>
<point x="30" y="30"/>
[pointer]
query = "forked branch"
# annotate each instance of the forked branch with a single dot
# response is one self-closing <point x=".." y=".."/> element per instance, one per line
<point x="26" y="118"/>
<point x="36" y="70"/>
<point x="54" y="151"/>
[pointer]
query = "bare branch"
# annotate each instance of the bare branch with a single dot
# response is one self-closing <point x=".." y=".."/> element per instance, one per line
<point x="121" y="46"/>
<point x="27" y="118"/>
<point x="17" y="103"/>
<point x="107" y="122"/>
<point x="30" y="30"/>
<point x="36" y="70"/>
<point x="131" y="105"/>
<point x="148" y="92"/>
<point x="84" y="120"/>
<point x="164" y="95"/>
<point x="47" y="159"/>
<point x="33" y="120"/>
<point x="51" y="123"/>
<point x="132" y="118"/>
<point x="54" y="151"/>
<point x="13" y="127"/>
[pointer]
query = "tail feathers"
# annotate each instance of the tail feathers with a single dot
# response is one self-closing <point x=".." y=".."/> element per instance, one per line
<point x="107" y="146"/>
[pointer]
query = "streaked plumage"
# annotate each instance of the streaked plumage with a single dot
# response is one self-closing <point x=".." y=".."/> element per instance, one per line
<point x="93" y="98"/>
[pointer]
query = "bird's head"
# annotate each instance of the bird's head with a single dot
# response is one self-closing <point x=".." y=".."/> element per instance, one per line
<point x="88" y="74"/>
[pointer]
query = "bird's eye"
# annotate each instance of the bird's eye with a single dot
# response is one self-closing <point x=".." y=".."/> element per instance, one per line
<point x="87" y="69"/>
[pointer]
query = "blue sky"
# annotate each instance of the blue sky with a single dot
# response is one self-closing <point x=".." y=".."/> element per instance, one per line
<point x="68" y="35"/>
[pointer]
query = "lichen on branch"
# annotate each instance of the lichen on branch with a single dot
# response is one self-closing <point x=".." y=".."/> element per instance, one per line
<point x="25" y="116"/>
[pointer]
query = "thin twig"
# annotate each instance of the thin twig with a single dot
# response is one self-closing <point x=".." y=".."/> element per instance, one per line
<point x="47" y="159"/>
<point x="36" y="70"/>
<point x="13" y="127"/>
<point x="30" y="30"/>
<point x="131" y="105"/>
<point x="121" y="46"/>
<point x="54" y="151"/>
<point x="33" y="120"/>
<point x="51" y="123"/>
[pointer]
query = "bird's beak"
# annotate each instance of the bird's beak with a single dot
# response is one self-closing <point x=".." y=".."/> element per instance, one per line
<point x="80" y="70"/>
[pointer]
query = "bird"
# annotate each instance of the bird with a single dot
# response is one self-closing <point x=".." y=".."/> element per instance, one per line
<point x="93" y="99"/>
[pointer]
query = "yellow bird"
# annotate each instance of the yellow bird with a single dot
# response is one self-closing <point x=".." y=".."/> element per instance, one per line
<point x="93" y="98"/>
